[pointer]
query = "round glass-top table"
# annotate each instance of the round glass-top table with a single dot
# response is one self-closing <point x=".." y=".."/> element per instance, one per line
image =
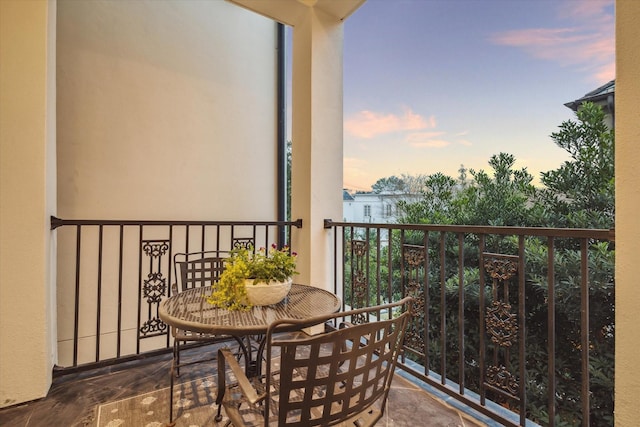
<point x="189" y="310"/>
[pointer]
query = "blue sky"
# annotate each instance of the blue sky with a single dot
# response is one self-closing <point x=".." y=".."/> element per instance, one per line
<point x="433" y="84"/>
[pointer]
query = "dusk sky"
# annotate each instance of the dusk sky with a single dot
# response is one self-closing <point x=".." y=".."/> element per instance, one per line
<point x="433" y="84"/>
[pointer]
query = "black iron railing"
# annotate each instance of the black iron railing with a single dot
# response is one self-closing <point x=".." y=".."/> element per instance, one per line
<point x="516" y="323"/>
<point x="111" y="276"/>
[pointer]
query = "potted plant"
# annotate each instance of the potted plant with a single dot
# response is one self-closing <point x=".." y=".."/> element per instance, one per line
<point x="254" y="278"/>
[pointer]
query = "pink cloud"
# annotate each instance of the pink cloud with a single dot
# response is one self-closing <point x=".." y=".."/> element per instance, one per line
<point x="536" y="38"/>
<point x="588" y="44"/>
<point x="563" y="45"/>
<point x="427" y="140"/>
<point x="606" y="72"/>
<point x="585" y="9"/>
<point x="368" y="124"/>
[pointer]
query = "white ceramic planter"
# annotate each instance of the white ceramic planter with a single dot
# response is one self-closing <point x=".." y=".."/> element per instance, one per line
<point x="267" y="294"/>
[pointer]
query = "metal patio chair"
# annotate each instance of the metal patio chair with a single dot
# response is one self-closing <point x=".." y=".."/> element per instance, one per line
<point x="195" y="269"/>
<point x="341" y="377"/>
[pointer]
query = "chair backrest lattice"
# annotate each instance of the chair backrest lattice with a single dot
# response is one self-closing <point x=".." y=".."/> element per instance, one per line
<point x="341" y="375"/>
<point x="198" y="269"/>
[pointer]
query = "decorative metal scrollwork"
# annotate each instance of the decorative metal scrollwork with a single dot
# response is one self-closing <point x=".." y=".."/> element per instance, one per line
<point x="359" y="295"/>
<point x="155" y="249"/>
<point x="500" y="377"/>
<point x="154" y="287"/>
<point x="414" y="289"/>
<point x="502" y="325"/>
<point x="243" y="243"/>
<point x="359" y="250"/>
<point x="359" y="247"/>
<point x="153" y="326"/>
<point x="501" y="269"/>
<point x="414" y="334"/>
<point x="414" y="257"/>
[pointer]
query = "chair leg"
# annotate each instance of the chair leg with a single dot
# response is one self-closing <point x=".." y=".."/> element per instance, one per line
<point x="218" y="416"/>
<point x="177" y="344"/>
<point x="171" y="422"/>
<point x="221" y="383"/>
<point x="176" y="356"/>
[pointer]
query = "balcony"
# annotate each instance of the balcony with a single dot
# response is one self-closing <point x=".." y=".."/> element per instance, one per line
<point x="503" y="314"/>
<point x="74" y="398"/>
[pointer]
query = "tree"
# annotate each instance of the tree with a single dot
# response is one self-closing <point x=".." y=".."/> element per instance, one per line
<point x="414" y="184"/>
<point x="436" y="204"/>
<point x="501" y="198"/>
<point x="405" y="183"/>
<point x="462" y="177"/>
<point x="390" y="184"/>
<point x="580" y="193"/>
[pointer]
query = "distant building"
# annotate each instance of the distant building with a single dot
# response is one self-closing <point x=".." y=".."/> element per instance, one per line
<point x="373" y="207"/>
<point x="603" y="96"/>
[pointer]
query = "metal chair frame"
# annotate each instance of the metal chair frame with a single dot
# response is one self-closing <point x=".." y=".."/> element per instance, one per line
<point x="341" y="377"/>
<point x="194" y="269"/>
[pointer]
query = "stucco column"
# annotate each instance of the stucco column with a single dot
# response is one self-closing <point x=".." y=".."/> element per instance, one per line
<point x="27" y="198"/>
<point x="317" y="95"/>
<point x="316" y="141"/>
<point x="627" y="377"/>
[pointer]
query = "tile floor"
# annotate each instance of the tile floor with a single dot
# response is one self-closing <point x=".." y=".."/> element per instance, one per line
<point x="73" y="398"/>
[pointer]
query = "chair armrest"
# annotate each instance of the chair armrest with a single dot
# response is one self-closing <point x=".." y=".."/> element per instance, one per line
<point x="227" y="358"/>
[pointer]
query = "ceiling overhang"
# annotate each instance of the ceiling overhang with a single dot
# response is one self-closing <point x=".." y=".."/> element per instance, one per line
<point x="288" y="11"/>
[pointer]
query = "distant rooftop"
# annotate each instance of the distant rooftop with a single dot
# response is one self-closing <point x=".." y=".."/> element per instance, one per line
<point x="598" y="95"/>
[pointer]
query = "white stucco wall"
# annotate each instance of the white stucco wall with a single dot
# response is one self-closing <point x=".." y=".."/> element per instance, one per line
<point x="166" y="110"/>
<point x="27" y="198"/>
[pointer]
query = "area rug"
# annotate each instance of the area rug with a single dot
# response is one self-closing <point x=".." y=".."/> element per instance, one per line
<point x="194" y="406"/>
